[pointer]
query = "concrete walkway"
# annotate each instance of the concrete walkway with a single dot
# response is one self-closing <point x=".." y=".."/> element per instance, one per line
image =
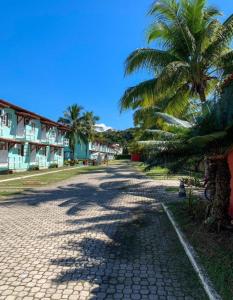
<point x="101" y="235"/>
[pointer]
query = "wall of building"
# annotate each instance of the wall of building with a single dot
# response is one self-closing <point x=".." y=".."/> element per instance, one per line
<point x="20" y="155"/>
<point x="81" y="149"/>
<point x="90" y="150"/>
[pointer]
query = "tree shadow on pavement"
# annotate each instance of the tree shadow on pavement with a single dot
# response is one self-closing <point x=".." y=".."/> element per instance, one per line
<point x="140" y="256"/>
<point x="126" y="248"/>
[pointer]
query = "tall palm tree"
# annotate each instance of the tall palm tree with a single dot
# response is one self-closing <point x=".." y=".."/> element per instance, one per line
<point x="192" y="53"/>
<point x="88" y="123"/>
<point x="73" y="119"/>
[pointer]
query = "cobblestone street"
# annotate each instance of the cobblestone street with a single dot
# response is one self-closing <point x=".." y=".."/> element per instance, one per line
<point x="101" y="235"/>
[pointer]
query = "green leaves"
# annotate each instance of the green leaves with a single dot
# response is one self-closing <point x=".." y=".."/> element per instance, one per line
<point x="142" y="94"/>
<point x="165" y="9"/>
<point x="150" y="59"/>
<point x="173" y="121"/>
<point x="192" y="51"/>
<point x="81" y="124"/>
<point x="204" y="140"/>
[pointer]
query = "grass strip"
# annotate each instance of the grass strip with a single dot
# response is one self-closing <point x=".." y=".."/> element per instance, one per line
<point x="21" y="185"/>
<point x="214" y="249"/>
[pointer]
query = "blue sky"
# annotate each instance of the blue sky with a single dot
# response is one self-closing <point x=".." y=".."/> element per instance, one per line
<point x="57" y="52"/>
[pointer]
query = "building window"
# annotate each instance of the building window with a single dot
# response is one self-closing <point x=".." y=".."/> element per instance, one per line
<point x="43" y="151"/>
<point x="3" y="146"/>
<point x="53" y="133"/>
<point x="22" y="150"/>
<point x="59" y="152"/>
<point x="33" y="128"/>
<point x="6" y="119"/>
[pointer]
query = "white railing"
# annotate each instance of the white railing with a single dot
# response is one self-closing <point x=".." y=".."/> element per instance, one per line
<point x="30" y="136"/>
<point x="15" y="163"/>
<point x="41" y="162"/>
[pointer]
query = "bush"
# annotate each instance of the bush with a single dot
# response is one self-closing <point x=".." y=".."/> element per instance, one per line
<point x="33" y="168"/>
<point x="194" y="181"/>
<point x="53" y="165"/>
<point x="66" y="163"/>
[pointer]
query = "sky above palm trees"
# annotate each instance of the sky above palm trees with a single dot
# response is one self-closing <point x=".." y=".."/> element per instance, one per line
<point x="55" y="53"/>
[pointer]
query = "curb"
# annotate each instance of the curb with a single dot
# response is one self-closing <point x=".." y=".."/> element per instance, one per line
<point x="193" y="257"/>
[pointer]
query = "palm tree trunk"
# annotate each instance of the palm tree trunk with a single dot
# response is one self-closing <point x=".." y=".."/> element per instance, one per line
<point x="202" y="96"/>
<point x="219" y="180"/>
<point x="222" y="190"/>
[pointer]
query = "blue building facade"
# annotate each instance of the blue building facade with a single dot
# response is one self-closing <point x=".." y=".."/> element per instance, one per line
<point x="92" y="151"/>
<point x="29" y="140"/>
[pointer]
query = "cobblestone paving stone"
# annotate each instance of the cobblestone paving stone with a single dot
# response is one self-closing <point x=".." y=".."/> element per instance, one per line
<point x="101" y="235"/>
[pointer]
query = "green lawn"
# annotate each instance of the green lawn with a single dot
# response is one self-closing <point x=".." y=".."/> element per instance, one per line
<point x="214" y="249"/>
<point x="158" y="173"/>
<point x="20" y="185"/>
<point x="26" y="173"/>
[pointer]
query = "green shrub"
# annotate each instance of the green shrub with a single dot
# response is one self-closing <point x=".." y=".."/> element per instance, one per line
<point x="193" y="181"/>
<point x="33" y="168"/>
<point x="72" y="162"/>
<point x="53" y="165"/>
<point x="66" y="163"/>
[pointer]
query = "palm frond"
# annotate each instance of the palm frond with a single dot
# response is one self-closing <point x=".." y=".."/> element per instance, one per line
<point x="228" y="21"/>
<point x="164" y="9"/>
<point x="141" y="94"/>
<point x="173" y="77"/>
<point x="222" y="39"/>
<point x="211" y="11"/>
<point x="161" y="132"/>
<point x="193" y="12"/>
<point x="173" y="121"/>
<point x="179" y="104"/>
<point x="150" y="59"/>
<point x="204" y="140"/>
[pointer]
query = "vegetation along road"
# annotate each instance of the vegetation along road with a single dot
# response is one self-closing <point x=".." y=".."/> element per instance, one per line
<point x="99" y="235"/>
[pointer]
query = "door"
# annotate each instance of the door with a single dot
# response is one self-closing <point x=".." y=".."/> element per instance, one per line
<point x="3" y="155"/>
<point x="33" y="154"/>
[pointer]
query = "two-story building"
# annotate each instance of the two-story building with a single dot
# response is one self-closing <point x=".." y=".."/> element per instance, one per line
<point x="28" y="139"/>
<point x="92" y="151"/>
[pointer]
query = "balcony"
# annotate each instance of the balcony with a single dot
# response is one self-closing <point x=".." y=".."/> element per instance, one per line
<point x="30" y="136"/>
<point x="20" y="129"/>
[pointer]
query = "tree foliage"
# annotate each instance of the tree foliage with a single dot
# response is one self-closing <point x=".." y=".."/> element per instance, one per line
<point x="81" y="124"/>
<point x="191" y="55"/>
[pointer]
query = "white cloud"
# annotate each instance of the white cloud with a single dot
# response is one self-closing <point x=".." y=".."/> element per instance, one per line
<point x="102" y="127"/>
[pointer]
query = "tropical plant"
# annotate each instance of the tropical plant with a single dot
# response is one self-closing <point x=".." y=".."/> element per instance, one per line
<point x="192" y="55"/>
<point x="73" y="118"/>
<point x="81" y="124"/>
<point x="88" y="125"/>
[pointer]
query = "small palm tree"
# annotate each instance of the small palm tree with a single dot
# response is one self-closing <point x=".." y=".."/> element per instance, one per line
<point x="192" y="55"/>
<point x="73" y="119"/>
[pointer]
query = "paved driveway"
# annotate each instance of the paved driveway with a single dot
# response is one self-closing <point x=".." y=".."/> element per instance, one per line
<point x="101" y="235"/>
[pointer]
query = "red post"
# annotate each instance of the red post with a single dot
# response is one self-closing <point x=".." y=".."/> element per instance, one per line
<point x="135" y="157"/>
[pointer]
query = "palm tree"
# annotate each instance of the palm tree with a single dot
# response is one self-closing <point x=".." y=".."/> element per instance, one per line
<point x="88" y="123"/>
<point x="192" y="55"/>
<point x="73" y="119"/>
